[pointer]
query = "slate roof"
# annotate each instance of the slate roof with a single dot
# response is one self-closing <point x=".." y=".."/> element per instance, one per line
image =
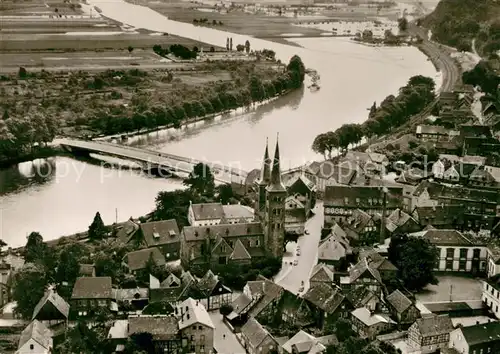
<point x="138" y="259"/>
<point x="127" y="231"/>
<point x="266" y="290"/>
<point x="160" y="327"/>
<point x="207" y="211"/>
<point x="37" y="331"/>
<point x="56" y="300"/>
<point x="92" y="288"/>
<point x="160" y="232"/>
<point x="361" y="268"/>
<point x="254" y="332"/>
<point x="360" y="296"/>
<point x="443" y="237"/>
<point x="301" y="179"/>
<point x="362" y="196"/>
<point x="439" y="215"/>
<point x="482" y="333"/>
<point x="325" y="297"/>
<point x="194" y="233"/>
<point x="192" y="312"/>
<point x="208" y="282"/>
<point x="239" y="252"/>
<point x="399" y="301"/>
<point x="240" y="303"/>
<point x="434" y="325"/>
<point x="369" y="319"/>
<point x="321" y="273"/>
<point x="397" y="219"/>
<point x="171" y="281"/>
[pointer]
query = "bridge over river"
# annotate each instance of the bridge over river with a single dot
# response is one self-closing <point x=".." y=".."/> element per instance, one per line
<point x="154" y="160"/>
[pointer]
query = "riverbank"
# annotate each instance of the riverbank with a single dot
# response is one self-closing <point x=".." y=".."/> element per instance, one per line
<point x="36" y="153"/>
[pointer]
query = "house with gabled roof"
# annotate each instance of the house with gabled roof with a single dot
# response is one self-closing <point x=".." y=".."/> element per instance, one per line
<point x="126" y="231"/>
<point x="90" y="294"/>
<point x="260" y="299"/>
<point x="294" y="311"/>
<point x="131" y="299"/>
<point x="321" y="273"/>
<point x="205" y="214"/>
<point x="35" y="338"/>
<point x="173" y="289"/>
<point x="362" y="296"/>
<point x="402" y="308"/>
<point x="137" y="260"/>
<point x="164" y="235"/>
<point x="216" y="293"/>
<point x="327" y="173"/>
<point x="164" y="331"/>
<point x="256" y="339"/>
<point x="303" y="342"/>
<point x="359" y="225"/>
<point x="399" y="222"/>
<point x="327" y="304"/>
<point x="479" y="338"/>
<point x="51" y="309"/>
<point x="195" y="325"/>
<point x="441" y="216"/>
<point x="369" y="324"/>
<point x="456" y="251"/>
<point x="430" y="333"/>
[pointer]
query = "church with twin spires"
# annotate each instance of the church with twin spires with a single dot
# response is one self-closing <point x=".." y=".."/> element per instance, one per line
<point x="270" y="205"/>
<point x="224" y="234"/>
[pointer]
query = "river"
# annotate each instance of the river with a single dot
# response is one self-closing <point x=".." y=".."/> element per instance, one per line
<point x="60" y="196"/>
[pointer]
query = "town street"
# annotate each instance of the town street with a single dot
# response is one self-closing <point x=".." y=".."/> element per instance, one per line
<point x="225" y="341"/>
<point x="290" y="276"/>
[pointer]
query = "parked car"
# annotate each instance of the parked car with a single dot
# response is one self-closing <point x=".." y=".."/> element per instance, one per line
<point x="306" y="232"/>
<point x="298" y="252"/>
<point x="295" y="262"/>
<point x="301" y="289"/>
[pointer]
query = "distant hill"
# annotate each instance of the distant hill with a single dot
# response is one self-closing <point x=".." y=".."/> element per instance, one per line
<point x="458" y="22"/>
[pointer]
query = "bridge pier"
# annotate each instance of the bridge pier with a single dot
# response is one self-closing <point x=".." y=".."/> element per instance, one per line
<point x="77" y="151"/>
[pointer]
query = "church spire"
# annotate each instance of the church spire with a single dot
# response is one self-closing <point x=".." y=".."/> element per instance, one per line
<point x="265" y="173"/>
<point x="276" y="183"/>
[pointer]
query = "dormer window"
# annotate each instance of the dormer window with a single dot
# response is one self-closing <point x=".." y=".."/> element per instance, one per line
<point x="171" y="233"/>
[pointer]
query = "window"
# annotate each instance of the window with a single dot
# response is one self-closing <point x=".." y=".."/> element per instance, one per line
<point x="450" y="252"/>
<point x="463" y="252"/>
<point x="449" y="264"/>
<point x="200" y="328"/>
<point x="202" y="337"/>
<point x="462" y="265"/>
<point x="32" y="347"/>
<point x="257" y="243"/>
<point x="192" y="338"/>
<point x="191" y="348"/>
<point x="477" y="253"/>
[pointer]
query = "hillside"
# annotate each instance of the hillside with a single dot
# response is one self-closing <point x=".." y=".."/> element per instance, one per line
<point x="458" y="22"/>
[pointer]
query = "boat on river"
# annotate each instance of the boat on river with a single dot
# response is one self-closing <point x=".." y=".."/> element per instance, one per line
<point x="314" y="87"/>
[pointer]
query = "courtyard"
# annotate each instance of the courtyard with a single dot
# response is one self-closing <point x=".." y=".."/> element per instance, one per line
<point x="451" y="287"/>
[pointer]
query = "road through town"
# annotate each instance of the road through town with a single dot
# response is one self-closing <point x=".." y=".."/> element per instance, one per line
<point x="291" y="276"/>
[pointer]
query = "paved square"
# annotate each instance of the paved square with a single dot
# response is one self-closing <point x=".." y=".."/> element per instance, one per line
<point x="462" y="288"/>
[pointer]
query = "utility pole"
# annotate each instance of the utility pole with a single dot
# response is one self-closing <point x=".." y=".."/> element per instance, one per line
<point x="116" y="215"/>
<point x="451" y="291"/>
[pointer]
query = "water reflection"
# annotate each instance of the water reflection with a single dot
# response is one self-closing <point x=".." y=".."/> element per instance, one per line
<point x="27" y="174"/>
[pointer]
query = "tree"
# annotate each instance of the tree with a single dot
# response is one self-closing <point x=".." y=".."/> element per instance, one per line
<point x="68" y="265"/>
<point x="22" y="73"/>
<point x="97" y="230"/>
<point x="82" y="339"/>
<point x="139" y="342"/>
<point x="201" y="180"/>
<point x="174" y="205"/>
<point x="2" y="243"/>
<point x="415" y="259"/>
<point x="34" y="249"/>
<point x="297" y="71"/>
<point x="225" y="193"/>
<point x="343" y="329"/>
<point x="247" y="46"/>
<point x="130" y="49"/>
<point x="240" y="47"/>
<point x="403" y="24"/>
<point x="30" y="284"/>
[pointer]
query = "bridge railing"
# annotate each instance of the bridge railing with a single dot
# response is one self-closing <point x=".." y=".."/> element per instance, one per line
<point x="191" y="161"/>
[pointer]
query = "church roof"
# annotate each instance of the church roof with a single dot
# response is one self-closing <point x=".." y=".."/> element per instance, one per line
<point x="239" y="251"/>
